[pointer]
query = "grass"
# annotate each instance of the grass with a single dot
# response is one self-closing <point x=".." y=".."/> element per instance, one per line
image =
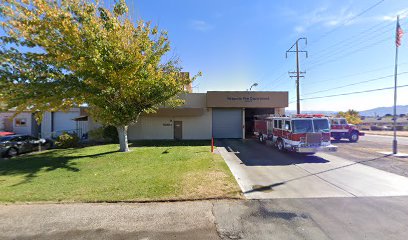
<point x="151" y="171"/>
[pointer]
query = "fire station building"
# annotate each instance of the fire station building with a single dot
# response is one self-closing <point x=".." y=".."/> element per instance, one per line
<point x="218" y="114"/>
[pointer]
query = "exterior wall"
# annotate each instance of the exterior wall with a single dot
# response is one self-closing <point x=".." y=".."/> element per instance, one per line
<point x="46" y="125"/>
<point x="196" y="114"/>
<point x="27" y="129"/>
<point x="161" y="128"/>
<point x="3" y="118"/>
<point x="63" y="121"/>
<point x="23" y="129"/>
<point x="194" y="100"/>
<point x="53" y="124"/>
<point x="196" y="128"/>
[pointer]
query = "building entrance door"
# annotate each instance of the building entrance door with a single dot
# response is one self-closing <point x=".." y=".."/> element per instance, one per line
<point x="178" y="130"/>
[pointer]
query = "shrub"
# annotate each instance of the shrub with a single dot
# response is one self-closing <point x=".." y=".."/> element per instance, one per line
<point x="111" y="133"/>
<point x="96" y="134"/>
<point x="67" y="140"/>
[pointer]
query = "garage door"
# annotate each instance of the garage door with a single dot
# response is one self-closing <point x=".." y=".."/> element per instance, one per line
<point x="227" y="123"/>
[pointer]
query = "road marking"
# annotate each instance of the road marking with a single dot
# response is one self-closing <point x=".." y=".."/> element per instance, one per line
<point x="231" y="151"/>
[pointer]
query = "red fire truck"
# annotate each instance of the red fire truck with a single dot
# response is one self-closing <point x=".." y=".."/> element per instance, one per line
<point x="300" y="133"/>
<point x="341" y="129"/>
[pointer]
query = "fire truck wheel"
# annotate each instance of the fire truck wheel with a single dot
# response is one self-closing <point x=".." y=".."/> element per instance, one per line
<point x="354" y="137"/>
<point x="280" y="145"/>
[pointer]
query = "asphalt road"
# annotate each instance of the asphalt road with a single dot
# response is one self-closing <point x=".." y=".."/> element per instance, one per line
<point x="326" y="218"/>
<point x="265" y="173"/>
<point x="403" y="141"/>
<point x="368" y="150"/>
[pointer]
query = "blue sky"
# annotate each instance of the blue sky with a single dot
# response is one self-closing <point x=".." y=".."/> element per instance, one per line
<point x="236" y="43"/>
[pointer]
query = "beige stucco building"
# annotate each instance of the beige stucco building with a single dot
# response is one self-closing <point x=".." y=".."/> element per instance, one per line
<point x="218" y="114"/>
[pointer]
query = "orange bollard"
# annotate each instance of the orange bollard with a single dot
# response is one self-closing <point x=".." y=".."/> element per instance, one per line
<point x="212" y="144"/>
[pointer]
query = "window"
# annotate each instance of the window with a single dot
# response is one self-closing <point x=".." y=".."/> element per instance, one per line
<point x="24" y="138"/>
<point x="302" y="126"/>
<point x="287" y="125"/>
<point x="275" y="123"/>
<point x="280" y="124"/>
<point x="321" y="125"/>
<point x="7" y="138"/>
<point x="269" y="123"/>
<point x="20" y="122"/>
<point x="15" y="139"/>
<point x="342" y="121"/>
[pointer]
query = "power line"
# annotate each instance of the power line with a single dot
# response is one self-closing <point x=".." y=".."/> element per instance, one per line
<point x="330" y="52"/>
<point x="335" y="59"/>
<point x="354" y="37"/>
<point x="359" y="73"/>
<point x="350" y="93"/>
<point x="344" y="43"/>
<point x="333" y="56"/>
<point x="372" y="30"/>
<point x="353" y="84"/>
<point x="347" y="21"/>
<point x="275" y="79"/>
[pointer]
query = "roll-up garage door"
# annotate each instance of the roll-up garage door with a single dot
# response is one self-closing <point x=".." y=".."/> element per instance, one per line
<point x="227" y="123"/>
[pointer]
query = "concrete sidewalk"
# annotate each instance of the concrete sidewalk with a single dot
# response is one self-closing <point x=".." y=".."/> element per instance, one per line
<point x="326" y="218"/>
<point x="179" y="220"/>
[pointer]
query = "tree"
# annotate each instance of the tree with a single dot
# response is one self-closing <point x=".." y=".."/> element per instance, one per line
<point x="352" y="116"/>
<point x="60" y="54"/>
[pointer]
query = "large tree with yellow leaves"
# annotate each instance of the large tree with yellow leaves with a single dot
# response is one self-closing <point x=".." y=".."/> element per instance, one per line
<point x="59" y="54"/>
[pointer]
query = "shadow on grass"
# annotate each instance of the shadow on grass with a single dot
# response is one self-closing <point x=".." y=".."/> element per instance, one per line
<point x="169" y="143"/>
<point x="30" y="165"/>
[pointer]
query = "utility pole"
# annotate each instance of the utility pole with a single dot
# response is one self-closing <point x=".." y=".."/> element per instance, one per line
<point x="298" y="72"/>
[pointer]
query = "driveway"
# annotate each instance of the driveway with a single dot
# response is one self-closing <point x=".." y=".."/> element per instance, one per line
<point x="264" y="173"/>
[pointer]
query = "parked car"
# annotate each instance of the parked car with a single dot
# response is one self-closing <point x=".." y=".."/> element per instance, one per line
<point x="2" y="134"/>
<point x="380" y="128"/>
<point x="13" y="145"/>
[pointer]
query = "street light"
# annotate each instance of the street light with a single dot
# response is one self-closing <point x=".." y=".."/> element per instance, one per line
<point x="253" y="85"/>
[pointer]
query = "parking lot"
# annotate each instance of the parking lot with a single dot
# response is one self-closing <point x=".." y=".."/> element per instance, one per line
<point x="356" y="170"/>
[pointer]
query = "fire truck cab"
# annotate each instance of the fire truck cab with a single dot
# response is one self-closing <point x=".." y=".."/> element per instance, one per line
<point x="300" y="133"/>
<point x="341" y="129"/>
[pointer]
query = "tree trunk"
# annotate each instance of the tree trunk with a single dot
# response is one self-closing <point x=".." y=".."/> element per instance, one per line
<point x="123" y="140"/>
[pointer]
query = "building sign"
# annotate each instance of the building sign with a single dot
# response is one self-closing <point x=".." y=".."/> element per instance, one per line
<point x="247" y="99"/>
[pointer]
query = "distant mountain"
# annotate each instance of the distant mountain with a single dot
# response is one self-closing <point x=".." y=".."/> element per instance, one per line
<point x="381" y="111"/>
<point x="291" y="112"/>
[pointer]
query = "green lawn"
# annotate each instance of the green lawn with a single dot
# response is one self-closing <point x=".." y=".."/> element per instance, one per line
<point x="151" y="171"/>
